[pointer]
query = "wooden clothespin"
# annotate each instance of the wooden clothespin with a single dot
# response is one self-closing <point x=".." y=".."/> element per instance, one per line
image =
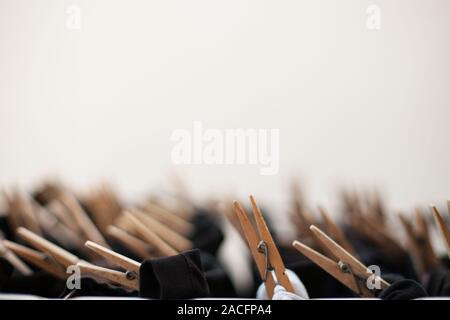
<point x="36" y="258"/>
<point x="64" y="216"/>
<point x="135" y="245"/>
<point x="175" y="240"/>
<point x="48" y="190"/>
<point x="88" y="228"/>
<point x="376" y="207"/>
<point x="64" y="257"/>
<point x="351" y="204"/>
<point x="13" y="259"/>
<point x="300" y="216"/>
<point x="344" y="268"/>
<point x="149" y="236"/>
<point x="335" y="232"/>
<point x="226" y="208"/>
<point x="103" y="205"/>
<point x="21" y="211"/>
<point x="302" y="219"/>
<point x="419" y="243"/>
<point x="170" y="219"/>
<point x="443" y="229"/>
<point x="378" y="235"/>
<point x="128" y="279"/>
<point x="263" y="249"/>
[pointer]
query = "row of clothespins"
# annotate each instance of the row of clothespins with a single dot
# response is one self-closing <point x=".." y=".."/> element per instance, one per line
<point x="153" y="231"/>
<point x="147" y="232"/>
<point x="332" y="251"/>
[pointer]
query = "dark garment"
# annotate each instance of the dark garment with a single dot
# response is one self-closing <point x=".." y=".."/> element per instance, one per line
<point x="175" y="277"/>
<point x="370" y="254"/>
<point x="6" y="270"/>
<point x="404" y="289"/>
<point x="5" y="228"/>
<point x="39" y="283"/>
<point x="207" y="234"/>
<point x="92" y="288"/>
<point x="438" y="283"/>
<point x="220" y="285"/>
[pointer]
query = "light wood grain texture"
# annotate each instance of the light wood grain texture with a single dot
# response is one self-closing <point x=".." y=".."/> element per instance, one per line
<point x="36" y="258"/>
<point x="14" y="260"/>
<point x="150" y="237"/>
<point x="114" y="257"/>
<point x="117" y="277"/>
<point x="82" y="219"/>
<point x="169" y="218"/>
<point x="135" y="245"/>
<point x="175" y="240"/>
<point x="62" y="256"/>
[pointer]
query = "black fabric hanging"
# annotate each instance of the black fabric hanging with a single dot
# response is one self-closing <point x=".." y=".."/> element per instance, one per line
<point x="404" y="289"/>
<point x="6" y="270"/>
<point x="92" y="288"/>
<point x="220" y="285"/>
<point x="175" y="277"/>
<point x="207" y="234"/>
<point x="39" y="283"/>
<point x="438" y="283"/>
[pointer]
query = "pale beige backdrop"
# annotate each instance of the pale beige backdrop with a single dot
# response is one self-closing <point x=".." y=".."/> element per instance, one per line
<point x="354" y="106"/>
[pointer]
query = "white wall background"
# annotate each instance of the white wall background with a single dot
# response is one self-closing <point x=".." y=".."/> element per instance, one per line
<point x="354" y="106"/>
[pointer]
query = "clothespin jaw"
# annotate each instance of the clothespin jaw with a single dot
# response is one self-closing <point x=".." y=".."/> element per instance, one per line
<point x="425" y="244"/>
<point x="172" y="220"/>
<point x="114" y="257"/>
<point x="150" y="236"/>
<point x="36" y="258"/>
<point x="14" y="260"/>
<point x="128" y="279"/>
<point x="86" y="225"/>
<point x="375" y="207"/>
<point x="227" y="210"/>
<point x="443" y="229"/>
<point x="174" y="239"/>
<point x="378" y="235"/>
<point x="263" y="249"/>
<point x="103" y="205"/>
<point x="419" y="243"/>
<point x="335" y="232"/>
<point x="62" y="256"/>
<point x="21" y="211"/>
<point x="135" y="245"/>
<point x="345" y="268"/>
<point x="300" y="216"/>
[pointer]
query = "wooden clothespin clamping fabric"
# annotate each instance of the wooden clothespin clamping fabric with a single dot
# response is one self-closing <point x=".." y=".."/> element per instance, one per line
<point x="263" y="249"/>
<point x="128" y="279"/>
<point x="343" y="266"/>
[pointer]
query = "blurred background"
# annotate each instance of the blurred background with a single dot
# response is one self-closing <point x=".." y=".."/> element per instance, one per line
<point x="92" y="90"/>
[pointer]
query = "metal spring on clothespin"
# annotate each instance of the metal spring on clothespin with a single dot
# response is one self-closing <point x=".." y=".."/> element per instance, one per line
<point x="262" y="248"/>
<point x="130" y="275"/>
<point x="345" y="268"/>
